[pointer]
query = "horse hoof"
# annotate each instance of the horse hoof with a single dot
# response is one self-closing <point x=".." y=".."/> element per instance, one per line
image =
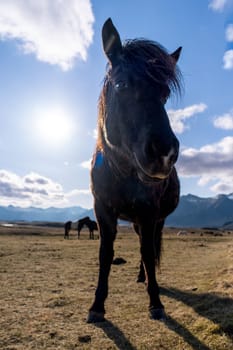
<point x="158" y="314"/>
<point x="94" y="317"/>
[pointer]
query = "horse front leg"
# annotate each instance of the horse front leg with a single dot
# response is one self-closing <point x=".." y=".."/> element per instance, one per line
<point x="141" y="275"/>
<point x="148" y="249"/>
<point x="107" y="224"/>
<point x="91" y="235"/>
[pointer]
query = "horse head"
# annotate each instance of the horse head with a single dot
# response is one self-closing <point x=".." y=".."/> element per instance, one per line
<point x="133" y="122"/>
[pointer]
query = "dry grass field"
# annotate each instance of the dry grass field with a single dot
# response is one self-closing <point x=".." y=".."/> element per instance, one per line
<point x="47" y="285"/>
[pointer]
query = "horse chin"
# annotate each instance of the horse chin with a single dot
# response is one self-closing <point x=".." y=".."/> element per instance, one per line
<point x="146" y="178"/>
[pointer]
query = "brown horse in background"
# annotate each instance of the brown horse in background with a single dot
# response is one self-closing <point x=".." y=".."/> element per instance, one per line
<point x="86" y="221"/>
<point x="67" y="227"/>
<point x="90" y="224"/>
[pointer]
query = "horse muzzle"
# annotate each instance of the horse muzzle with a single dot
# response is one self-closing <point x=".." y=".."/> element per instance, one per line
<point x="157" y="170"/>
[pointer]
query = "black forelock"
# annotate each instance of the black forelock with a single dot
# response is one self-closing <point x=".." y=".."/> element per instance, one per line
<point x="150" y="60"/>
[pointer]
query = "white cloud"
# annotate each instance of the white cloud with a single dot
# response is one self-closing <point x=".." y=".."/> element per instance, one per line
<point x="77" y="192"/>
<point x="222" y="187"/>
<point x="228" y="55"/>
<point x="57" y="31"/>
<point x="178" y="117"/>
<point x="229" y="33"/>
<point x="93" y="133"/>
<point x="218" y="5"/>
<point x="37" y="190"/>
<point x="32" y="189"/>
<point x="228" y="59"/>
<point x="212" y="163"/>
<point x="225" y="121"/>
<point x="86" y="164"/>
<point x="81" y="197"/>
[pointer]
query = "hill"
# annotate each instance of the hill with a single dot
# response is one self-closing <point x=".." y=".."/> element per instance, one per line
<point x="12" y="213"/>
<point x="192" y="211"/>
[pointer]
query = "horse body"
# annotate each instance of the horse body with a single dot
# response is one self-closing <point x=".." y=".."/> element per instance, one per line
<point x="67" y="228"/>
<point x="91" y="225"/>
<point x="133" y="175"/>
<point x="86" y="221"/>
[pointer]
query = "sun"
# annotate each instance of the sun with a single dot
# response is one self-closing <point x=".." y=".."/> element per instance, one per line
<point x="53" y="125"/>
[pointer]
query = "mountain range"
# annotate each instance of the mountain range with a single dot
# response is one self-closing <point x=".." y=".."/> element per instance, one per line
<point x="30" y="214"/>
<point x="192" y="211"/>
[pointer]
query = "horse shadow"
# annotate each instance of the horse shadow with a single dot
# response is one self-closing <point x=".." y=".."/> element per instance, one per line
<point x="116" y="335"/>
<point x="208" y="305"/>
<point x="202" y="304"/>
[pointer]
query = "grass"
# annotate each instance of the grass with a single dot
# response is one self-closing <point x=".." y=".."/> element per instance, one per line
<point x="47" y="285"/>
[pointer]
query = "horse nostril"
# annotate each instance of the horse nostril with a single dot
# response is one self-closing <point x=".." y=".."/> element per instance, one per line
<point x="174" y="152"/>
<point x="167" y="153"/>
<point x="171" y="158"/>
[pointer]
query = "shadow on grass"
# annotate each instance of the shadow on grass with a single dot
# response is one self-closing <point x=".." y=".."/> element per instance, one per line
<point x="116" y="335"/>
<point x="122" y="343"/>
<point x="208" y="305"/>
<point x="184" y="333"/>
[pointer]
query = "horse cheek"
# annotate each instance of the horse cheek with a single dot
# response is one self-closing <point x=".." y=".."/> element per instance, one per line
<point x="112" y="132"/>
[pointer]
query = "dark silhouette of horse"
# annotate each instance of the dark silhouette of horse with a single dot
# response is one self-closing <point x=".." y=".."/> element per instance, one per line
<point x="86" y="221"/>
<point x="91" y="225"/>
<point x="133" y="175"/>
<point x="67" y="227"/>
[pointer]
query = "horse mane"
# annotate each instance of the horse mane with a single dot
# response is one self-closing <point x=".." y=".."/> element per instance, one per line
<point x="148" y="60"/>
<point x="151" y="60"/>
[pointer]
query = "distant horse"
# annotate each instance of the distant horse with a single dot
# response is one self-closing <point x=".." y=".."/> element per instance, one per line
<point x="133" y="175"/>
<point x="91" y="225"/>
<point x="67" y="227"/>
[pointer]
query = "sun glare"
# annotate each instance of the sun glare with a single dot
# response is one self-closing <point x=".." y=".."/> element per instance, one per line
<point x="53" y="126"/>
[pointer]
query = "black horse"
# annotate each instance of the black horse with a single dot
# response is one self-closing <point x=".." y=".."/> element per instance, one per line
<point x="67" y="228"/>
<point x="133" y="175"/>
<point x="90" y="224"/>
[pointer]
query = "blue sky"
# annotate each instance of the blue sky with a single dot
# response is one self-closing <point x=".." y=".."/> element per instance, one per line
<point x="51" y="72"/>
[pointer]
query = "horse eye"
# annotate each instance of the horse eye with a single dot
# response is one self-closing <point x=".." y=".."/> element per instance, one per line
<point x="121" y="85"/>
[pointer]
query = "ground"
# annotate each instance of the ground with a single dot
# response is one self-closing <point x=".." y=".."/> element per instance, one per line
<point x="47" y="285"/>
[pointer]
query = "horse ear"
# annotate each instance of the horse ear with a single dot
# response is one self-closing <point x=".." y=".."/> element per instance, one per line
<point x="176" y="54"/>
<point x="111" y="41"/>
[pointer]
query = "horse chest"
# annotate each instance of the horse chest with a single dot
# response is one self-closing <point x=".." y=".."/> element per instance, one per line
<point x="138" y="200"/>
<point x="128" y="196"/>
